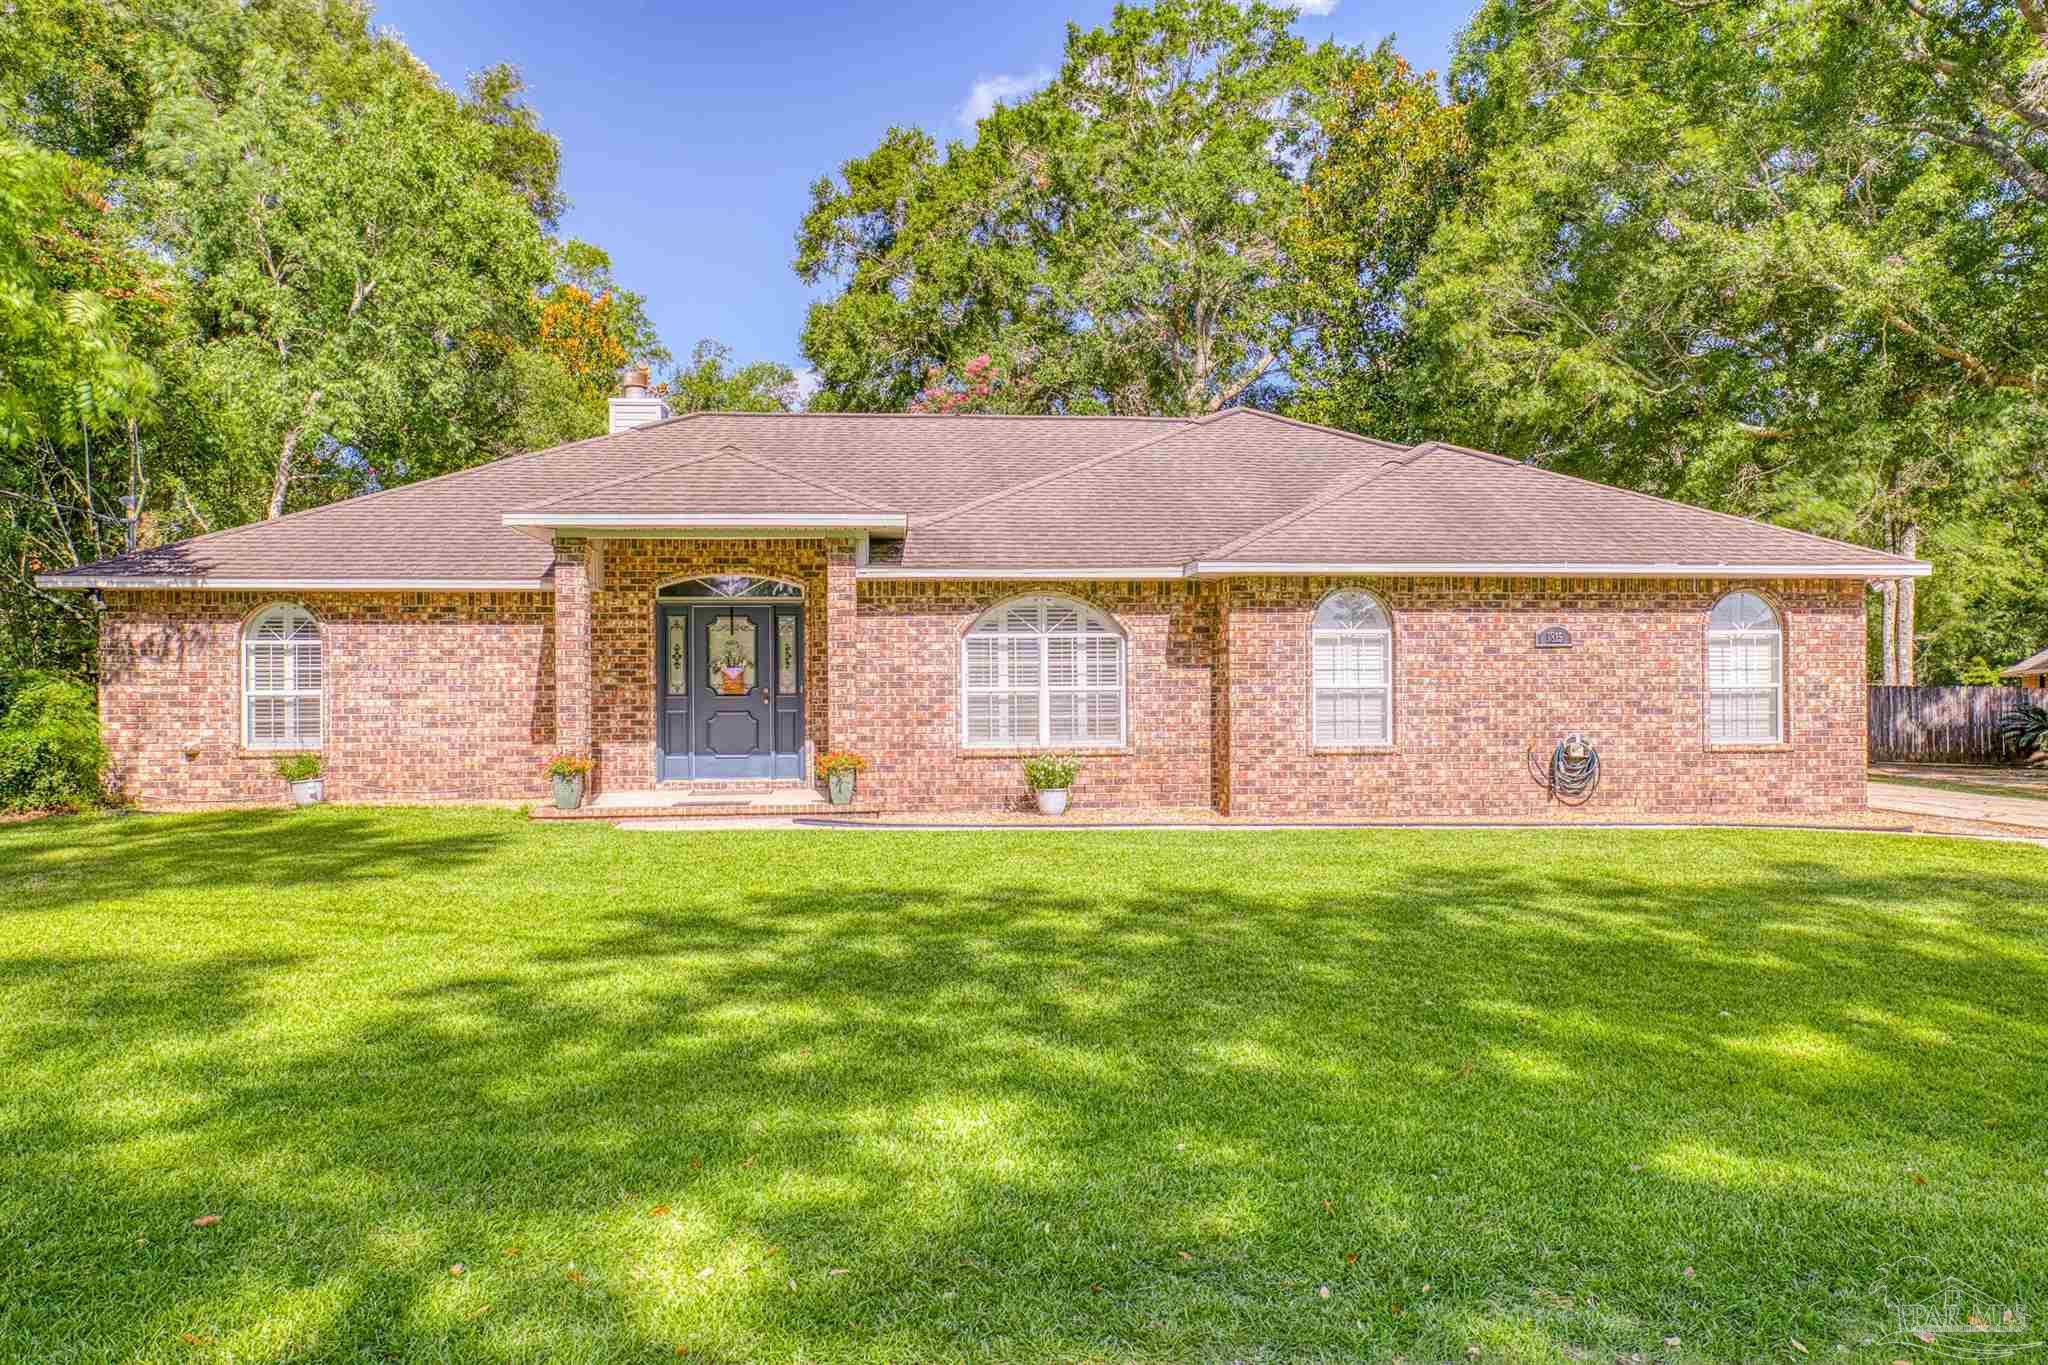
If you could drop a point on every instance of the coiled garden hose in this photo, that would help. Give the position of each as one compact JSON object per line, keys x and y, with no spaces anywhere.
{"x":1573,"y":773}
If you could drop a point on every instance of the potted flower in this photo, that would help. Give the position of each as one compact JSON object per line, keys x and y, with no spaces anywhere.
{"x":1050,"y":776}
{"x":568,"y":772}
{"x":302,"y":773}
{"x":838,"y":771}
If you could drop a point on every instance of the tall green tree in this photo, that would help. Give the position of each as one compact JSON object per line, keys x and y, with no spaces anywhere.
{"x":1111,"y":242}
{"x":1388,"y":159}
{"x":71,"y":381}
{"x":710,"y":382}
{"x":348,"y":276}
{"x":347,"y":261}
{"x":586,"y":329}
{"x":1752,"y":255}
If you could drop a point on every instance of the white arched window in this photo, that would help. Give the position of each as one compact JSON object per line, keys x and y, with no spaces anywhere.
{"x":1042,"y":671}
{"x":283,"y":669}
{"x":1352,"y":660}
{"x":1745,"y":672}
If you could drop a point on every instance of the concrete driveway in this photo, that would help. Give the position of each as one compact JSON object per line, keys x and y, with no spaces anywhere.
{"x":1931,"y":793}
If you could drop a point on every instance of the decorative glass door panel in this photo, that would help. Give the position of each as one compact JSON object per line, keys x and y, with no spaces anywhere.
{"x":785,"y":653}
{"x":732,"y":652}
{"x":789,"y":689}
{"x":733,"y":728}
{"x":672,"y":694}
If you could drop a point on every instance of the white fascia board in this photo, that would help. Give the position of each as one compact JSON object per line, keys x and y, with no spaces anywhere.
{"x":1017,"y":575}
{"x":62,"y":582}
{"x":718,"y":521}
{"x":1466,"y":569}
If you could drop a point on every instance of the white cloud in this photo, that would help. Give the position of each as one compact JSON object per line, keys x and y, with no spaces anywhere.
{"x":983,"y":96}
{"x":1305,"y":6}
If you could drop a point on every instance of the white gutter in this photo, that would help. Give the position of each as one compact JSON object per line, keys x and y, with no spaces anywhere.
{"x":781,"y":521}
{"x":979,"y":574}
{"x":65,"y":581}
{"x":1482,"y":569}
{"x":1201,"y":569}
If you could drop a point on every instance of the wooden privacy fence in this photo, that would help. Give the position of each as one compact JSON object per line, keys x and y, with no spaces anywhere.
{"x":1941,"y":724}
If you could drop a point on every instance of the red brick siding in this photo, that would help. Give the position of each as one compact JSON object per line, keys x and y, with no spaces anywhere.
{"x":1473,"y":697}
{"x":441,"y":696}
{"x":454,"y":696}
{"x":575,"y":563}
{"x":906,"y":715}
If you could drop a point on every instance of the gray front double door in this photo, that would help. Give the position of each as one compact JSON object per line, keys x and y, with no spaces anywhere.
{"x":731,"y":691}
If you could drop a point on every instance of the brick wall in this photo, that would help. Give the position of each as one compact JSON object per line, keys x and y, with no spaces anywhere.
{"x":430,"y":696}
{"x":1473,"y":697}
{"x":905,"y":714}
{"x":453,"y":696}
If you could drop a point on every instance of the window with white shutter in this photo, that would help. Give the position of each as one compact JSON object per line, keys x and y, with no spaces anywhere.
{"x":1745,"y":672}
{"x":1042,"y":672}
{"x":1351,"y":659}
{"x":283,"y":672}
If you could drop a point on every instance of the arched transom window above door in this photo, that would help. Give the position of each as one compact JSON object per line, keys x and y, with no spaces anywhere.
{"x":730,"y":585}
{"x":1042,"y":672}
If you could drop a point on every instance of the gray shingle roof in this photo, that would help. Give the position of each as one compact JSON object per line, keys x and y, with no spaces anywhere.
{"x":1236,"y":491}
{"x":1443,"y":504}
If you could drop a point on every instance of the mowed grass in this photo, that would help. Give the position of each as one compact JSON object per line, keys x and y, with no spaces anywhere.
{"x":1011,"y":1096}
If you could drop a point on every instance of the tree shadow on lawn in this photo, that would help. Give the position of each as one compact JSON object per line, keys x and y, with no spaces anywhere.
{"x":1153,"y":1119}
{"x":94,"y":859}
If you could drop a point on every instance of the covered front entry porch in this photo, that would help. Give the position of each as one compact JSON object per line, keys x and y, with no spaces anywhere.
{"x":698,"y":665}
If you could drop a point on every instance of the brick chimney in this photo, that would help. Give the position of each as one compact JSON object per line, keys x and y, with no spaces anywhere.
{"x":637,"y":403}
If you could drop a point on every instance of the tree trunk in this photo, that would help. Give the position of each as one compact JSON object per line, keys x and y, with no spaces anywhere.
{"x":1888,"y":632}
{"x":282,"y":482}
{"x":1909,"y":546}
{"x":283,"y":478}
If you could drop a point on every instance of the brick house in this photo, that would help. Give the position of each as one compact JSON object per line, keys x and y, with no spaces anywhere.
{"x":1236,"y":611}
{"x":2031,"y":671}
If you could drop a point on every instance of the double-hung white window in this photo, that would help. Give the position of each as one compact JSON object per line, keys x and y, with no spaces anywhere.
{"x":1352,"y":659}
{"x":1041,"y":672}
{"x":283,"y":671}
{"x":1745,"y":672}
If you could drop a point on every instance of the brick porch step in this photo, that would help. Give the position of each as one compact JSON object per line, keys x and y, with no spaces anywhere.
{"x":728,"y":786}
{"x":681,"y":802}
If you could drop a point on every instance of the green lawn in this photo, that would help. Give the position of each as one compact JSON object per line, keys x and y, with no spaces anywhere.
{"x":862,"y":1096}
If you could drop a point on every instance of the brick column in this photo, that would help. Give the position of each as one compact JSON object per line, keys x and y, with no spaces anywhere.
{"x":572,"y":649}
{"x":1220,"y":775}
{"x":842,"y":666}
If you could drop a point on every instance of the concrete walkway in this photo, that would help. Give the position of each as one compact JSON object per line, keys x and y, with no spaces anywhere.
{"x":2023,"y":811}
{"x":2029,"y":779}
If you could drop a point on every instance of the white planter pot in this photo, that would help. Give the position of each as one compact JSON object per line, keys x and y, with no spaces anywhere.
{"x":306,"y":793}
{"x":1053,"y":802}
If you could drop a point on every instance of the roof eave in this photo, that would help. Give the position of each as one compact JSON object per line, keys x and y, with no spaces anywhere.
{"x":1552,"y":569}
{"x":58,"y":582}
{"x":982,"y":572}
{"x":1413,"y":569}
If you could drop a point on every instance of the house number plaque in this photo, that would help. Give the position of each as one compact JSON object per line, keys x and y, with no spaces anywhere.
{"x":1553,"y":637}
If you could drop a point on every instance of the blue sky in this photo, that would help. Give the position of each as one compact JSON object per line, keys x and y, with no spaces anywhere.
{"x":692,"y":132}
